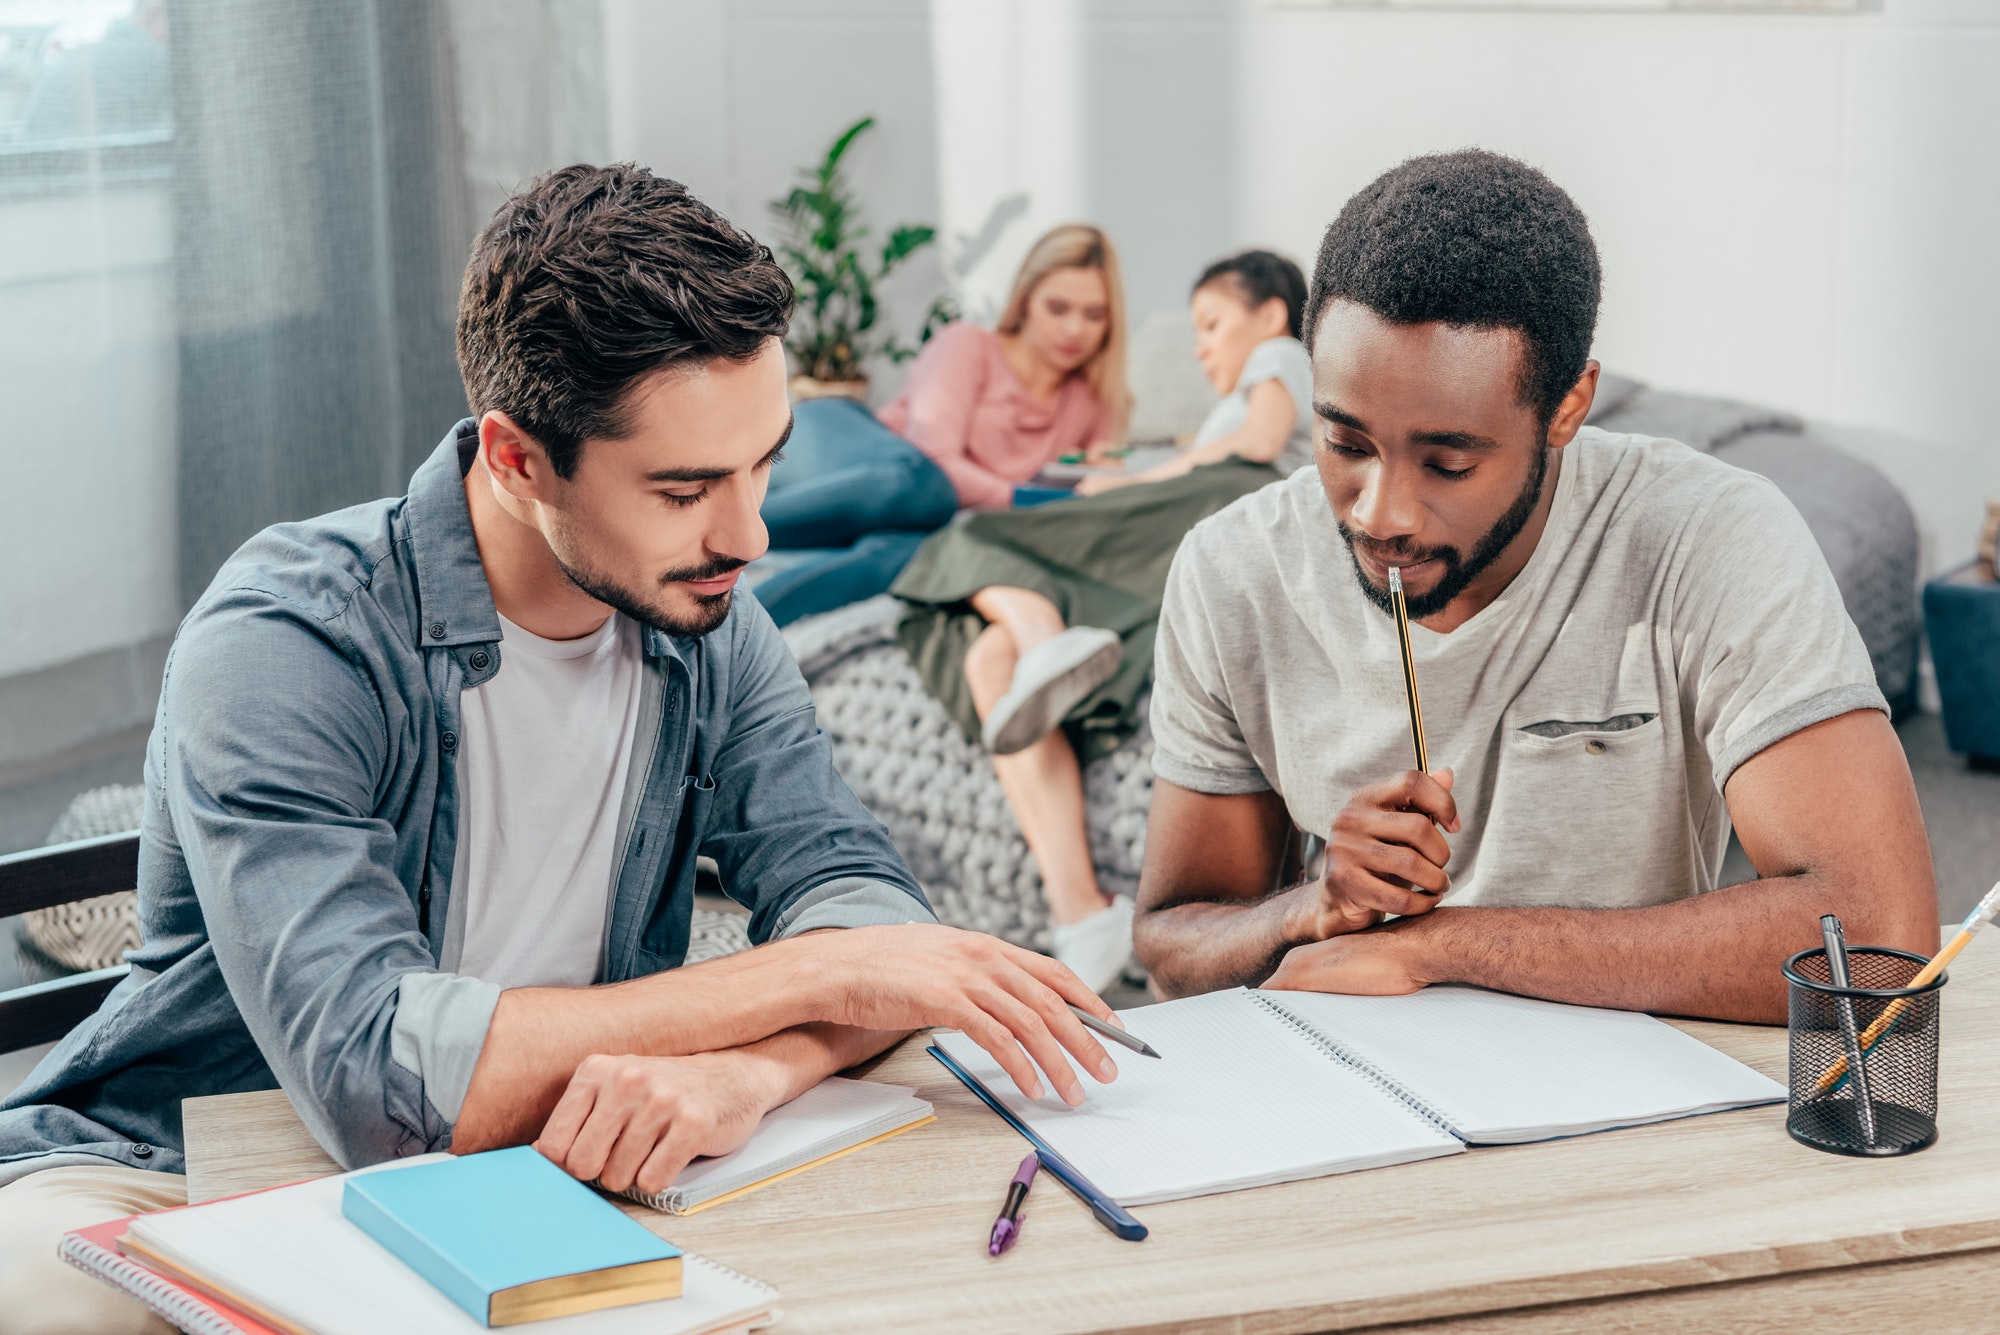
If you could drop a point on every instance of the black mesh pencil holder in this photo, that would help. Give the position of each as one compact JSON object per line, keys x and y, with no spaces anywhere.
{"x":1896,"y":1028}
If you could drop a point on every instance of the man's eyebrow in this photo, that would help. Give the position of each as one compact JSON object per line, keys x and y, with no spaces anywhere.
{"x":1340,"y":417}
{"x":1455,"y":440}
{"x":783,"y":436}
{"x":716,"y":474}
{"x":1446,"y":440}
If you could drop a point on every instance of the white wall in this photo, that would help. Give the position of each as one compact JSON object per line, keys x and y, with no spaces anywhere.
{"x":87,"y":429}
{"x":1800,"y":210}
{"x":1793,"y":209}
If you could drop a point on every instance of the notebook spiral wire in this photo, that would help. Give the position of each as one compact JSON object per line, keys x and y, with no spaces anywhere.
{"x":1334,"y":1049}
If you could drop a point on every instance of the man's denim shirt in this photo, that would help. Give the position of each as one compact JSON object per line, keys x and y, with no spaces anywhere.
{"x":296,"y":853}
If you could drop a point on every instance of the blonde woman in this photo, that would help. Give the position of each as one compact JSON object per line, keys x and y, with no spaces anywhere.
{"x":981,"y":412}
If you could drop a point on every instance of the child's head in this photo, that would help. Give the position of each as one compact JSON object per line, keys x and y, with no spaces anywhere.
{"x":1240,"y":302}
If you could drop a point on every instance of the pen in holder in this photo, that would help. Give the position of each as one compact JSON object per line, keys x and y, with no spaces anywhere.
{"x":1897,"y":1032}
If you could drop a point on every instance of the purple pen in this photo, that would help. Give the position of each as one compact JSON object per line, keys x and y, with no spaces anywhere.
{"x":1008,"y":1226}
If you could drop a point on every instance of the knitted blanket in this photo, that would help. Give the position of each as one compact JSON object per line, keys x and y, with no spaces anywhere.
{"x":936,"y":791}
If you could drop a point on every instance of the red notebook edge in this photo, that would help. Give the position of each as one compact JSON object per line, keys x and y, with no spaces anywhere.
{"x":94,"y":1250}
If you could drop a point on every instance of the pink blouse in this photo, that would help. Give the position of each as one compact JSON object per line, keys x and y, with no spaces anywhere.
{"x":964,"y":407}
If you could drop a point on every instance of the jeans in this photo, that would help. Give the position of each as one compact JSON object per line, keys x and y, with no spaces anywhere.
{"x":851,"y":501}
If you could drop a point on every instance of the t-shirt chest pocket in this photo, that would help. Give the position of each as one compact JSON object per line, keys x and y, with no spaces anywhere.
{"x":1583,"y":801}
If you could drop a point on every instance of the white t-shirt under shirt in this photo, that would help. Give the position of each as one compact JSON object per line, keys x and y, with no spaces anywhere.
{"x":544,"y":746}
{"x":1284,"y":360}
{"x":1675,"y":619}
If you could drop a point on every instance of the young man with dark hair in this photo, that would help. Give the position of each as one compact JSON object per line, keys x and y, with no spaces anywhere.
{"x":430,"y":776}
{"x":1624,"y":647}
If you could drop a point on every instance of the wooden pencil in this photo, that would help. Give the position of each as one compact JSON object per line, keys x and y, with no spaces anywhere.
{"x":1402,"y":608}
{"x":1982,"y":913}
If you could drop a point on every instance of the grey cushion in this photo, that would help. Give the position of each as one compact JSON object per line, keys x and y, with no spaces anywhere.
{"x":1694,"y":420}
{"x":1170,"y":394}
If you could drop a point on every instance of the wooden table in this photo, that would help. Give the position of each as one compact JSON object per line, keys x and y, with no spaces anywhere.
{"x":1711,"y":1223}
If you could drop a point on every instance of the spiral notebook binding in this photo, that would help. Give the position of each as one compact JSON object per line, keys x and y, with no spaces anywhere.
{"x":763,"y":1290}
{"x":164,"y":1298}
{"x":1335,"y":1049}
{"x":667,"y":1202}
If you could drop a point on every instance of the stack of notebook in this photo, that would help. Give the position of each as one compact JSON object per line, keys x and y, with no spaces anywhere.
{"x":1254,"y":1088}
{"x":437,"y":1243}
{"x":287,"y":1260}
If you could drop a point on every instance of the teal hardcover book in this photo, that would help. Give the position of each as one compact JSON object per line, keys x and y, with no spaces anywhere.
{"x":510,"y":1237}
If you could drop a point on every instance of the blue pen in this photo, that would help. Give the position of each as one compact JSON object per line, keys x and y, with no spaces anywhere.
{"x":1105,"y":1210}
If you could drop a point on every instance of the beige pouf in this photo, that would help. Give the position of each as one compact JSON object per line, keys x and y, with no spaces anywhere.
{"x":92,"y":933}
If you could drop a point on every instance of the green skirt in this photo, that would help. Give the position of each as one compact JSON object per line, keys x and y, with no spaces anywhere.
{"x":1102,"y":560}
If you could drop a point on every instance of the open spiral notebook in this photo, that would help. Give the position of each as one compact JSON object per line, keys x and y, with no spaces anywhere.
{"x":1254,"y":1087}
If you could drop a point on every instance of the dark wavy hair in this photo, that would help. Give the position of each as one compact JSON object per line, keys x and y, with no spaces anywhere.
{"x":594,"y":277}
{"x":1258,"y":276}
{"x":1474,"y":239}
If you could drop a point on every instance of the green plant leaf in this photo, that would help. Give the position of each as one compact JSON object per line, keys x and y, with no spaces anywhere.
{"x":822,"y":243}
{"x":903,"y":242}
{"x":847,"y":136}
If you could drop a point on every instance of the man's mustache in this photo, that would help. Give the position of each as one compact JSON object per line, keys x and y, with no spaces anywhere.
{"x":1397,"y":551}
{"x":715,"y":569}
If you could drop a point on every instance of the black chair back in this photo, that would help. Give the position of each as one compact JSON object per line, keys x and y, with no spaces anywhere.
{"x":42,"y":878}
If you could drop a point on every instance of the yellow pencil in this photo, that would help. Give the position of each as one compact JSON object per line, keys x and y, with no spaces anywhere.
{"x":1409,"y":668}
{"x":1982,"y":913}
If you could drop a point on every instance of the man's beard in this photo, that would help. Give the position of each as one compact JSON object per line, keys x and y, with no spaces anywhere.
{"x":710,"y":610}
{"x":1459,"y":571}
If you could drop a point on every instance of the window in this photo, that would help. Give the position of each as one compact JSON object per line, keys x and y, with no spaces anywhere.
{"x":84,"y":93}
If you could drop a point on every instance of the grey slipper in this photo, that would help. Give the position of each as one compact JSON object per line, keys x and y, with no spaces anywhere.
{"x":1050,"y":680}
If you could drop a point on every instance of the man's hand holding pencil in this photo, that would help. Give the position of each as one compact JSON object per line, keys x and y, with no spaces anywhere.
{"x":1385,"y":854}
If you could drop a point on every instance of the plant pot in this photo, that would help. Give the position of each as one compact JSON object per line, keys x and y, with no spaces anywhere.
{"x":804,"y":387}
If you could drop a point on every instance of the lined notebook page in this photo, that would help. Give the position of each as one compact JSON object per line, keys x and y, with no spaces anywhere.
{"x":1502,"y":1069}
{"x":290,"y":1252}
{"x":832,"y":1115}
{"x":1236,"y":1099}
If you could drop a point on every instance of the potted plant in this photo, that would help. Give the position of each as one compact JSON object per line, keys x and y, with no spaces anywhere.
{"x":822,"y":244}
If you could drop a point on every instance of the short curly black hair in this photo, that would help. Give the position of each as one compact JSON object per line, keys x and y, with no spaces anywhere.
{"x":1476,"y":239}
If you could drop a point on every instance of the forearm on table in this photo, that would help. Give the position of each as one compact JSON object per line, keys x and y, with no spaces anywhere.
{"x":1198,"y":945}
{"x":538,"y":1034}
{"x":800,"y":1058}
{"x":1715,"y":955}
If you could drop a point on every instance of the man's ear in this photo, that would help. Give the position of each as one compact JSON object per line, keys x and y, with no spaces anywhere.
{"x":1574,"y":408}
{"x":518,"y":463}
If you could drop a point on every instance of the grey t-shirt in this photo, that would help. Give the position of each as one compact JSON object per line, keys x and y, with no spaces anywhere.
{"x":1675,"y":619}
{"x":1284,"y":360}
